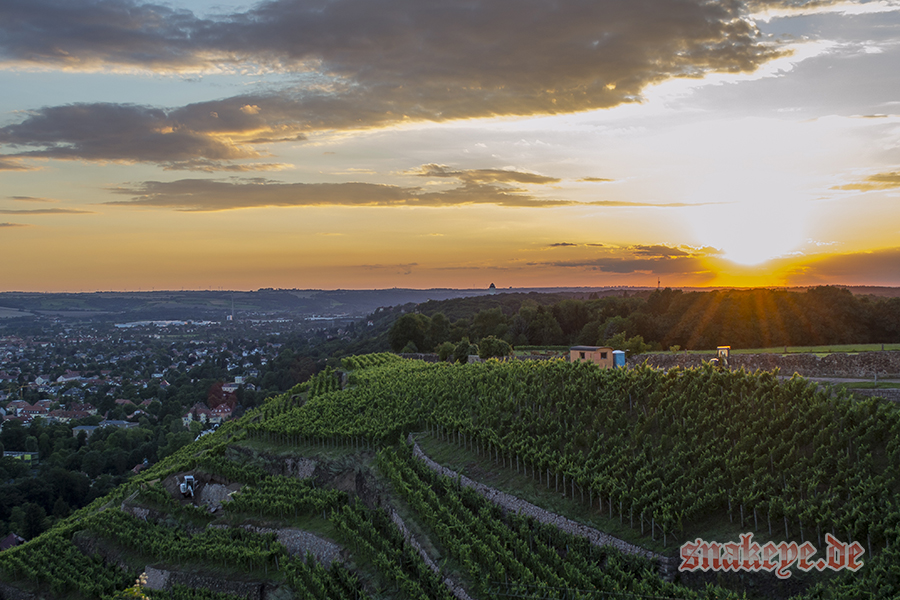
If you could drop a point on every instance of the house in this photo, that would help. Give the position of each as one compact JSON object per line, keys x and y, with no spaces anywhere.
{"x":11,"y":541}
{"x":34,"y":410}
{"x":220,"y":413}
{"x":198,"y":412}
{"x":69,"y":376}
{"x":16,"y":406}
{"x":29,"y":457}
{"x":64,"y":416}
{"x":601,"y":355}
{"x":87,"y":429}
{"x":118,"y":423}
{"x":23,"y":419}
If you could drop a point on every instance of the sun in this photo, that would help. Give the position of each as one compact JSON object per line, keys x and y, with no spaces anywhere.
{"x":752,"y":233}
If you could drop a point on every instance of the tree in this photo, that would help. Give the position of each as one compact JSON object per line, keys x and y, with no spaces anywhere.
{"x":35,"y":521}
{"x":61,"y":508}
{"x":490,"y":322}
{"x":410,"y":327}
{"x":445,"y":351}
{"x":634,"y":345}
{"x":92,"y":464}
{"x":13,"y":435}
{"x":491,"y":347}
{"x":463,"y":349}
{"x":572,"y":316}
{"x":543,"y":330}
{"x":44,"y":445}
{"x":438,"y":330}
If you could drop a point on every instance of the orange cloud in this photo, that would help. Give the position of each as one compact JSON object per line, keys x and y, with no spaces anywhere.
{"x":879,"y":181}
{"x":13,"y":164}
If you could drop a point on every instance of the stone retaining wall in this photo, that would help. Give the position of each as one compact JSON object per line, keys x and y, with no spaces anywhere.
{"x":458,"y":592}
{"x":888,"y":394}
{"x":299,"y":542}
{"x":863,"y":365}
{"x":162,"y":579}
{"x":9,"y":592}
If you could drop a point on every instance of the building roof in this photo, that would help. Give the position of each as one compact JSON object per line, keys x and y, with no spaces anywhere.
{"x":10,"y":541}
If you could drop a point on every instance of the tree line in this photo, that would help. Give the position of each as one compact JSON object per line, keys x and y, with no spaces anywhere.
{"x":661,"y":320}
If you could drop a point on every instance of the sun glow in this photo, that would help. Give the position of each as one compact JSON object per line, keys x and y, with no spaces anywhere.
{"x":752,"y":233}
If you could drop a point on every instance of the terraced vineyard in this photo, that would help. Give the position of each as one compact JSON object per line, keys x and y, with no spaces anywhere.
{"x":668,"y":456}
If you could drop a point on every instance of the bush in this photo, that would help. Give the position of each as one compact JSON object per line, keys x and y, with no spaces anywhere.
{"x":491,"y":347}
{"x":445,"y":351}
{"x":463,"y":349}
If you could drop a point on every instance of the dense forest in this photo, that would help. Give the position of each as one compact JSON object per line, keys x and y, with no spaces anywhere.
{"x":659,"y":320}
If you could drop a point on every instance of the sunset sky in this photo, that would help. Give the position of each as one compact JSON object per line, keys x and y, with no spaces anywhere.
{"x":426,"y":143}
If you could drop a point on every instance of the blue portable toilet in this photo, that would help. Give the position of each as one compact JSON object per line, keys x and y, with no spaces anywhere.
{"x":618,"y":358}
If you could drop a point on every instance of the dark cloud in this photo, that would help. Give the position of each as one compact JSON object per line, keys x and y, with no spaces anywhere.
{"x":476,"y":186}
{"x":210,"y":195}
{"x":658,"y":259}
{"x":659,"y":251}
{"x":131,"y":133}
{"x":796,"y":4}
{"x":92,"y":33}
{"x":880,"y":267}
{"x":361,"y":64}
{"x":596,"y":179}
{"x":210,"y":166}
{"x":30,"y":199}
{"x":474,"y":176}
{"x":879,"y":181}
{"x":631,"y":264}
{"x":4,"y":225}
{"x":572,"y":245}
{"x":45,"y":211}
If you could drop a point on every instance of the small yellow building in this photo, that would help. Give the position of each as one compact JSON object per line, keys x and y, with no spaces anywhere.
{"x":601,"y":355}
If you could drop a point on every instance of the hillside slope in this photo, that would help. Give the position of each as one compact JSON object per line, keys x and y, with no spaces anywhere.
{"x":324,"y":473}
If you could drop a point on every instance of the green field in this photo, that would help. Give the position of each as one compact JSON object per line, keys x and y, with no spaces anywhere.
{"x":821,"y":350}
